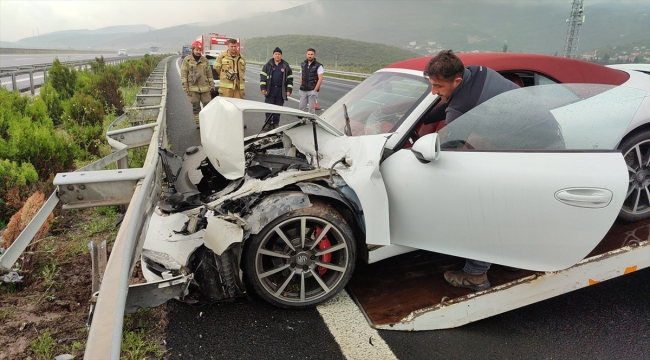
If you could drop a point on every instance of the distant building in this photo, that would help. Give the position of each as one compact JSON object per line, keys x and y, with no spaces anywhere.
{"x":412,"y":43}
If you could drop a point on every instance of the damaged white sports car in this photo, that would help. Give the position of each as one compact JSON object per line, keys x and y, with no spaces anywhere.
{"x":530,"y":179}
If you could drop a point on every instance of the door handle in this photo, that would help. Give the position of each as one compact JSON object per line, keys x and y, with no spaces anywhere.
{"x":585,"y":197}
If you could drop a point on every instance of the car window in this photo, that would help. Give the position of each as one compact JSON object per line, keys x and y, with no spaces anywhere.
{"x":378,"y":103}
{"x":547,"y":117}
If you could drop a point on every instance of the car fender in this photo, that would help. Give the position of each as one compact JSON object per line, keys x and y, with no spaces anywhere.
{"x":273,"y":206}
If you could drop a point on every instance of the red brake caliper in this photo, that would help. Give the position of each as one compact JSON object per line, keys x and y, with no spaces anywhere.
{"x":324,"y":243}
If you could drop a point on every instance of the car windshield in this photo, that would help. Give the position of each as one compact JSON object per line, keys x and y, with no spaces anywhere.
{"x":548,"y":117}
{"x":378,"y":103}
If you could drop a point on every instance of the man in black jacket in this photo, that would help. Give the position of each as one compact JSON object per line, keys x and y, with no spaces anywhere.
{"x":461,"y":89}
{"x":311,"y":77}
{"x":276,"y":83}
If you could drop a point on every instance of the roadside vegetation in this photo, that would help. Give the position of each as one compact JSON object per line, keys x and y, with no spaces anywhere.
{"x":59,"y":130}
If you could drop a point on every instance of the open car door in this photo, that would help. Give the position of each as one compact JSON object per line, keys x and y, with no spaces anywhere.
{"x":530,"y":178}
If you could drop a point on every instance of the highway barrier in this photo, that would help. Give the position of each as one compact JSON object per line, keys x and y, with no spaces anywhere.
{"x":50,"y":51}
{"x":15,"y":71}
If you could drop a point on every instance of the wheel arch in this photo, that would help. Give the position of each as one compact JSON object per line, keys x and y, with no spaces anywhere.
{"x":289,"y":199}
{"x":643,"y":128}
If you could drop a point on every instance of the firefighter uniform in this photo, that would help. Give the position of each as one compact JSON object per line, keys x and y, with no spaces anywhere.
{"x":196,"y":77}
{"x":231,"y":74}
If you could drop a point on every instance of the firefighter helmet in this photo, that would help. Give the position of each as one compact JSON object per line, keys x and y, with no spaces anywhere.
{"x":197,"y":44}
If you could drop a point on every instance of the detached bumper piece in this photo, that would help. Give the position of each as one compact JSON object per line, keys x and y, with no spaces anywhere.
{"x":217,"y":276}
{"x":156,"y":293}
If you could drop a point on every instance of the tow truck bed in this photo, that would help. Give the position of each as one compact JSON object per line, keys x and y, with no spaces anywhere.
{"x":408,"y":292}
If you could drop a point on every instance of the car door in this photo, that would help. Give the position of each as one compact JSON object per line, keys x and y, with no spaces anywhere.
{"x":529,"y":179}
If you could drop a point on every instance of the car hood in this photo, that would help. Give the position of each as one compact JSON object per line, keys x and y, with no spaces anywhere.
{"x":355,"y":158}
{"x":222,"y":131}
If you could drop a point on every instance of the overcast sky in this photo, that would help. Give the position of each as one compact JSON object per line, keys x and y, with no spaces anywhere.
{"x":20,"y":18}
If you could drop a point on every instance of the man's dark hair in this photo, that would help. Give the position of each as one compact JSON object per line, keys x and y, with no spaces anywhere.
{"x":232,"y":41}
{"x":445,"y":65}
{"x":312,"y":49}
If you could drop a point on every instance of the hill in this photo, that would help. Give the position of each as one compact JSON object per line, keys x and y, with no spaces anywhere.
{"x":330,"y":51}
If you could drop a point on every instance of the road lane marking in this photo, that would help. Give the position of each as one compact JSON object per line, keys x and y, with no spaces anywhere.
{"x":351,"y":330}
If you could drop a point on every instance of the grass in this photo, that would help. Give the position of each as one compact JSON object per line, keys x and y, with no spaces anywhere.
{"x":136,"y":343}
{"x":44,"y":346}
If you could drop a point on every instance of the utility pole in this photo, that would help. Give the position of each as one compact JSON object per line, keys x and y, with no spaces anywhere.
{"x":575,"y":20}
{"x":336,"y":60}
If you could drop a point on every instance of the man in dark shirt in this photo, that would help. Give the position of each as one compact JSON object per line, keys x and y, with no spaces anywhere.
{"x":461,"y":89}
{"x":276,"y":84}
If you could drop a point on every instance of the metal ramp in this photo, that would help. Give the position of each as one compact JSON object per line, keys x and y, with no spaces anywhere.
{"x":408,"y":292}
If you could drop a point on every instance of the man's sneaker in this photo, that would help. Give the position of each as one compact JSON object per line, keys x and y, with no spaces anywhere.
{"x":267,"y":127}
{"x":459,"y":278}
{"x":275,"y":126}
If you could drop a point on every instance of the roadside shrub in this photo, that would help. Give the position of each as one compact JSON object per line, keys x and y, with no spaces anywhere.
{"x":53,"y":103}
{"x":63,"y":79}
{"x":83,"y":110}
{"x":129,"y":74}
{"x":16,"y":181}
{"x":105,"y":88}
{"x":28,"y":135}
{"x":88,"y":137}
{"x":98,"y":65}
{"x":48,"y":151}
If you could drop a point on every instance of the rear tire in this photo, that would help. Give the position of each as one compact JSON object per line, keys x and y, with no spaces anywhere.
{"x":636,"y":152}
{"x":290,"y":272}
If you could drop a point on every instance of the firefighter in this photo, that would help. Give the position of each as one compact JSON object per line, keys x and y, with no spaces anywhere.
{"x":231,"y":66}
{"x":197,"y":80}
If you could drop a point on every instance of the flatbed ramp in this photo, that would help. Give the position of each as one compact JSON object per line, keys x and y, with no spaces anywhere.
{"x":408,"y":292}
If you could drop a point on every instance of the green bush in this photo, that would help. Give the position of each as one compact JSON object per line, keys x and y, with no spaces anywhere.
{"x":54,"y":107}
{"x":28,"y":135}
{"x":62,"y":79}
{"x":88,"y":137}
{"x":84,"y":110}
{"x":98,"y":65}
{"x":105,"y":88}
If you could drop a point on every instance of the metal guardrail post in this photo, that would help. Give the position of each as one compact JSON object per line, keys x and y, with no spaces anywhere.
{"x":14,"y":83}
{"x":31,"y":82}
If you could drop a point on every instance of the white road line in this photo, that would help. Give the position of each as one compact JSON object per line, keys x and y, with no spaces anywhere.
{"x":177,"y":67}
{"x":351,"y":330}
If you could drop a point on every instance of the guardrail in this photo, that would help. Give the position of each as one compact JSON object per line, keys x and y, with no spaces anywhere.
{"x":327,"y":71}
{"x":91,"y":186}
{"x":14,"y":71}
{"x":5,"y":50}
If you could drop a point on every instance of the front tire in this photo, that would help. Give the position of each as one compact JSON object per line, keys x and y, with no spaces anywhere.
{"x":636,"y":152}
{"x":302,"y":258}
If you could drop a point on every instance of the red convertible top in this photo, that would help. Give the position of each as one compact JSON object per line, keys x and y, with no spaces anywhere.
{"x":561,"y":69}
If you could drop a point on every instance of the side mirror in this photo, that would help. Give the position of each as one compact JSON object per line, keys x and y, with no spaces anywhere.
{"x":427,"y":148}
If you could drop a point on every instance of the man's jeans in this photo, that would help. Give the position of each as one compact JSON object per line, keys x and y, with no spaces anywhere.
{"x":307,"y":101}
{"x":475,"y":267}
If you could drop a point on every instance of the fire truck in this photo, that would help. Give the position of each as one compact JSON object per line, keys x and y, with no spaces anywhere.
{"x":213,"y":44}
